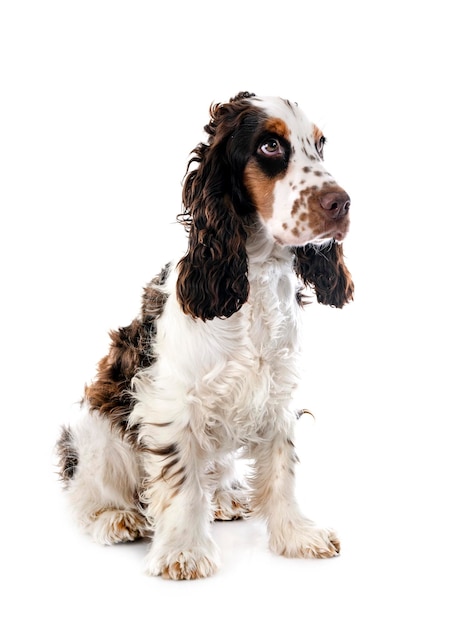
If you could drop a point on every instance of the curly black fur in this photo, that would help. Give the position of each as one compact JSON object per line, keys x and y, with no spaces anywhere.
{"x":212,"y":280}
{"x":324,"y":269}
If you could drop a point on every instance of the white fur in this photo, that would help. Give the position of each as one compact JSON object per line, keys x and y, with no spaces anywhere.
{"x":281,"y":225}
{"x":223,"y":385}
{"x":220,"y":386}
{"x":216,"y":388}
{"x":109,"y":473}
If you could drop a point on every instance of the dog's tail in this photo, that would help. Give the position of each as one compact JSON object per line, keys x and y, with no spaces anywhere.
{"x":67,"y":455}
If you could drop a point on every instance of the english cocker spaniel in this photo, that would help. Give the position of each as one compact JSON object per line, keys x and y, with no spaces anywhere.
{"x":208,"y":368}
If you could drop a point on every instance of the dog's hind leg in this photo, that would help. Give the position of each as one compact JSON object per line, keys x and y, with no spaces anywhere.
{"x":101,"y":475}
{"x":231,"y":494}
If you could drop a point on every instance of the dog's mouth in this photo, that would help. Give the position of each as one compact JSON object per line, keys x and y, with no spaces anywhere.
{"x":316,"y":241}
{"x":329,"y":236}
{"x":337,"y":232}
{"x":338,"y":236}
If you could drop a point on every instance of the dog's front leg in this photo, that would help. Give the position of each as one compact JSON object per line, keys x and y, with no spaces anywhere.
{"x":290,"y":533}
{"x":179,"y":503}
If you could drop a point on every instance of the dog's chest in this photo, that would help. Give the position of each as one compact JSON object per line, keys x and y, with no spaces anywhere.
{"x":272,"y":313}
{"x":254,"y":372}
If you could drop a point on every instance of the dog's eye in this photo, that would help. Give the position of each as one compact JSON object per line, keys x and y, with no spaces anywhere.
{"x":320,"y":145}
{"x":271,"y":148}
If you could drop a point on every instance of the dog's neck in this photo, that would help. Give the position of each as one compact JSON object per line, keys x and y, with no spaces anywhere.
{"x":262,"y":248}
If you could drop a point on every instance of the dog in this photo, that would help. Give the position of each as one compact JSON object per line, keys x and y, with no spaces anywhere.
{"x":205,"y":374}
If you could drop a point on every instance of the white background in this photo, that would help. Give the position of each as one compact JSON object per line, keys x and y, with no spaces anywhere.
{"x":101,"y":103}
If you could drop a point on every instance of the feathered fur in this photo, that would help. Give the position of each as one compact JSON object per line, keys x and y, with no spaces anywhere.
{"x":209,"y":367}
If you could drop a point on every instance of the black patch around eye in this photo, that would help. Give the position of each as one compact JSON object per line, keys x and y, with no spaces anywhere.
{"x":273,"y":165}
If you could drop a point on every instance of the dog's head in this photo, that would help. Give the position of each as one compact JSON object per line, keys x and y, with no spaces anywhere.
{"x":263,"y":162}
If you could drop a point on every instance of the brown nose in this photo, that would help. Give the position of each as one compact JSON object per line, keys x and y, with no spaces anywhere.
{"x":336,"y":203}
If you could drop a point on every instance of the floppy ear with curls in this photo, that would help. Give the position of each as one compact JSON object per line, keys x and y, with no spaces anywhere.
{"x":212,"y":276}
{"x":323,"y":268}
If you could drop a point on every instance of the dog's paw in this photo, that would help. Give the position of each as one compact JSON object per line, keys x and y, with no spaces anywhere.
{"x":305,"y":541}
{"x":109,"y":526}
{"x":183,"y":564}
{"x":230,"y":504}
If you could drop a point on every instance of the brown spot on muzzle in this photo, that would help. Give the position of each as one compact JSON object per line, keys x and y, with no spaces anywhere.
{"x":322,"y":221}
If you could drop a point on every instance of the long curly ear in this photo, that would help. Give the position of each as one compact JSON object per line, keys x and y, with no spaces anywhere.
{"x":212,"y":276}
{"x":324,"y":269}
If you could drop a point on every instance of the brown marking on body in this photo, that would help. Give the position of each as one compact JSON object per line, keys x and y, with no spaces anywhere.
{"x":130,"y":351}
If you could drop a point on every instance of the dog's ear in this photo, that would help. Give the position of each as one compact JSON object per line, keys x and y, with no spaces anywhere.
{"x":212,"y":276}
{"x":323,"y":268}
